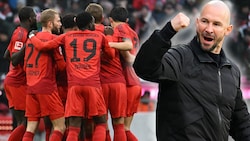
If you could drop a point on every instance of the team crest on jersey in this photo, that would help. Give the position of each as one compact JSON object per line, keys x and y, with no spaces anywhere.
{"x":18,"y":45}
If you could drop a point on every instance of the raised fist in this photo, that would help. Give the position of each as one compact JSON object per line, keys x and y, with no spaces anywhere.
{"x":180,"y":21}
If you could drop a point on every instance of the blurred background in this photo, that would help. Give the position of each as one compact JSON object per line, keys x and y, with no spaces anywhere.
{"x":144,"y":17}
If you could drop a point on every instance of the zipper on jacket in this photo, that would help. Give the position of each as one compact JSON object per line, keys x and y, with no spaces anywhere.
{"x":220,"y":94}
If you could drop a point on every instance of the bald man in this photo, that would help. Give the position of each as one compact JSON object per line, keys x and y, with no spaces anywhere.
{"x":199,"y":87}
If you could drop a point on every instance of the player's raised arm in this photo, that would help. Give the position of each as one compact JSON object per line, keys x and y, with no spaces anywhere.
{"x":126,"y":44}
{"x":44,"y":46}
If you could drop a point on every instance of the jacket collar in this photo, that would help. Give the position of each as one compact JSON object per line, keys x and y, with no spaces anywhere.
{"x":203,"y":56}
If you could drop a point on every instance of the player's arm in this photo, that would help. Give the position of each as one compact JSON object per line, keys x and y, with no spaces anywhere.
{"x":7,"y":54}
{"x":17,"y":57}
{"x":59,"y":59}
{"x":45,"y":46}
{"x":126,"y":44}
{"x":17,"y":50}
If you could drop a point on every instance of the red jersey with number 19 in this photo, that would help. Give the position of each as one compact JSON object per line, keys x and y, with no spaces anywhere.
{"x":16,"y":75}
{"x":83,"y":51}
{"x":40,"y":66}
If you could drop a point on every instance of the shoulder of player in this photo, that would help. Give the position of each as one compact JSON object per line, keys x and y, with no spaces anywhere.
{"x":45,"y":36}
{"x":84,"y":33}
{"x":95,"y":33}
{"x":20,"y":34}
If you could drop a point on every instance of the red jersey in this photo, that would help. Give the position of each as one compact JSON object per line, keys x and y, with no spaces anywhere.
{"x":83,"y":51}
{"x":16,"y":74}
{"x":128,"y":70}
{"x":40,"y":66}
{"x":112,"y":70}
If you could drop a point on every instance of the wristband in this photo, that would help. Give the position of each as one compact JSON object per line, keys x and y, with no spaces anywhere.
{"x":31,"y":35}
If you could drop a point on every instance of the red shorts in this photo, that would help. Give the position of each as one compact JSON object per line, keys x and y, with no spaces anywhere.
{"x":63,"y":91}
{"x":40,"y":105}
{"x":115,"y":95}
{"x":85,"y":101}
{"x":133,"y":99}
{"x":16,"y":96}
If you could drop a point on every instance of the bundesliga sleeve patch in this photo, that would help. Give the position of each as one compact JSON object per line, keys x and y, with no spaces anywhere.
{"x":18,"y":45}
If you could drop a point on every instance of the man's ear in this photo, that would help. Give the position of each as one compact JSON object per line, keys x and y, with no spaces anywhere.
{"x":49,"y":24}
{"x":229,"y":29}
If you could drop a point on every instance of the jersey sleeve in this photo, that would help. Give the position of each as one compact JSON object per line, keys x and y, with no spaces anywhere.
{"x":122,"y":33}
{"x":45,"y":46}
{"x":58,"y":57}
{"x":18,"y":40}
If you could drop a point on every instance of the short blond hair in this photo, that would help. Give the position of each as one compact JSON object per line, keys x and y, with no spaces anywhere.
{"x":47,"y":15}
{"x":96,"y":11}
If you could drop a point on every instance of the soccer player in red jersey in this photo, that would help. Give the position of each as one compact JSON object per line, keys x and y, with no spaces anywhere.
{"x":15,"y":81}
{"x":96,"y":10}
{"x":123,"y":32}
{"x":68,"y":24}
{"x":83,"y":51}
{"x":40,"y":66}
{"x":114,"y":84}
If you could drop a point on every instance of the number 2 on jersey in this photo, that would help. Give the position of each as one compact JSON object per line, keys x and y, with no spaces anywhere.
{"x":29,"y":65}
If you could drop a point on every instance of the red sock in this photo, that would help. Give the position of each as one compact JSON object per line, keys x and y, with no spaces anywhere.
{"x":56,"y":136}
{"x":17,"y":133}
{"x":108,"y":138}
{"x":73,"y":133}
{"x":119,"y":132}
{"x":130,"y":136}
{"x":28,"y":136}
{"x":99,"y":132}
{"x":47,"y":132}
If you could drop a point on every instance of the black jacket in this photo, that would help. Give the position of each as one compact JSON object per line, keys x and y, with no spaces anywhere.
{"x":199,"y":99}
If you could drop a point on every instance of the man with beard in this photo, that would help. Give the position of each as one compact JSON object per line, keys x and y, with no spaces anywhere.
{"x":15,"y":82}
{"x":199,"y":87}
{"x":43,"y":99}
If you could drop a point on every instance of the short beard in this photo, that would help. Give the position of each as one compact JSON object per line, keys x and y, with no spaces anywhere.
{"x":55,"y":31}
{"x":206,"y":50}
{"x":212,"y":48}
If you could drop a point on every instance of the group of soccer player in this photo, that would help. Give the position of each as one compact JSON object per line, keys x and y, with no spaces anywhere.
{"x":73,"y":79}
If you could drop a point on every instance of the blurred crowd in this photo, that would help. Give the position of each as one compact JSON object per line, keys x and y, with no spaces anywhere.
{"x":145,"y":16}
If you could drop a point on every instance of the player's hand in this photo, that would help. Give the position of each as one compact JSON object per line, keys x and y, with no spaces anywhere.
{"x":108,"y":30}
{"x":32,"y":33}
{"x":180,"y":21}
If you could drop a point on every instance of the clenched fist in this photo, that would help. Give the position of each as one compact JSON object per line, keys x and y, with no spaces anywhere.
{"x":180,"y":21}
